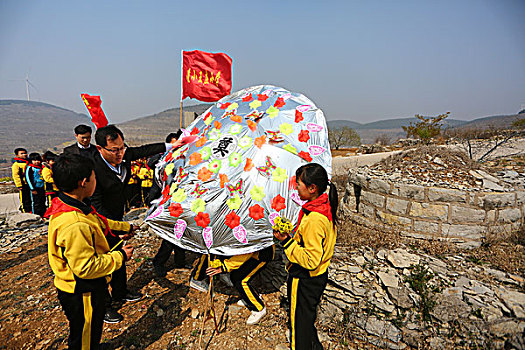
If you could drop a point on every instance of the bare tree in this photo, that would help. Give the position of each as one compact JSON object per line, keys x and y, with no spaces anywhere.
{"x":382,"y":139}
{"x":344,"y":136}
{"x":482,"y":143}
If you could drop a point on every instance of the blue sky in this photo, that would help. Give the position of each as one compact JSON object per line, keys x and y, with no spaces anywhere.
{"x":357,"y":60}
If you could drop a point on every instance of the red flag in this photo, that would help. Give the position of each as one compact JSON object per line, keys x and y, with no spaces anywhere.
{"x":206,"y":76}
{"x":93,"y":104}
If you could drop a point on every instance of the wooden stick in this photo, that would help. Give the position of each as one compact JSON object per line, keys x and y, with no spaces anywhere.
{"x":180,"y":114}
{"x":116,"y":245}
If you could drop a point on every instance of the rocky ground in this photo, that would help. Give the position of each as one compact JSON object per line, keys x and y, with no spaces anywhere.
{"x":384,"y":292}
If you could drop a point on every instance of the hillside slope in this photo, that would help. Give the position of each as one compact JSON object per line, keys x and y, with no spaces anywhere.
{"x":36,"y":126}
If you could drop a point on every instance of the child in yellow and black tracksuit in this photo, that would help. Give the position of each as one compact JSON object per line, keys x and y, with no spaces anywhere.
{"x":47,"y":175}
{"x":78,"y":251}
{"x":133,"y":188}
{"x":18,"y":170}
{"x":242,"y":269}
{"x":146,"y":176}
{"x":309,"y":252}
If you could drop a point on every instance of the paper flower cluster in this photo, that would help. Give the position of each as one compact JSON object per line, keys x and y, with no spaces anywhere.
{"x":222,"y":190}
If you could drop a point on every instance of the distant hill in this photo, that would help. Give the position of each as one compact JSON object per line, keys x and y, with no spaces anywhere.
{"x":36,"y":126}
{"x":155,"y":127}
{"x":498,"y":121}
{"x":40,"y":126}
{"x":392,"y":128}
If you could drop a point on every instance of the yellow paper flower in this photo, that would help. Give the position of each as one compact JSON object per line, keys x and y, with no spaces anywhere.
{"x":257,"y":193}
{"x":179,"y":196}
{"x":255,"y":104}
{"x":279,"y":175}
{"x":290,"y":148}
{"x":173,"y":187}
{"x":198,"y":206}
{"x":272,"y":112}
{"x":233,"y":106}
{"x":169,"y":168}
{"x":286,"y":128}
{"x":234,"y":203}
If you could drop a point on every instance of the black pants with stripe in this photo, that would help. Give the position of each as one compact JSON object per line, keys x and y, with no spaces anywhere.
{"x":241,"y":278}
{"x":38,"y":201}
{"x":25,"y":199}
{"x":85,"y":313}
{"x":304,"y":294}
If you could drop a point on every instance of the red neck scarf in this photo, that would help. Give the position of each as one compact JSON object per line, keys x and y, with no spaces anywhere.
{"x":35,"y":166}
{"x":319,"y":205}
{"x":21,"y":160}
{"x":58,"y":207}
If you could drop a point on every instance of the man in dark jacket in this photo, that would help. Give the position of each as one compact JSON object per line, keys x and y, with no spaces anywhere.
{"x":83,"y":145}
{"x":112,"y":171}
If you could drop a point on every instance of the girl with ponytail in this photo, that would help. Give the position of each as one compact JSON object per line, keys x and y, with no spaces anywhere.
{"x":309,"y":251}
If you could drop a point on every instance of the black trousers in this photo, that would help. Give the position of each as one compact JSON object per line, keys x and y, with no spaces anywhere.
{"x":146,"y":199}
{"x":25,"y":199}
{"x":85,"y":313}
{"x":38,"y":201}
{"x":241,"y":278}
{"x":164,"y":253}
{"x":118,"y":283}
{"x":304,"y":295}
{"x":133,"y":196}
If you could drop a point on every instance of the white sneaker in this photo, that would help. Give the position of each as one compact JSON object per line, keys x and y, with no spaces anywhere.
{"x":256,"y":316}
{"x":201,"y":286}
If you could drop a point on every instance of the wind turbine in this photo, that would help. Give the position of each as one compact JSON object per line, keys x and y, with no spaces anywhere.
{"x":28,"y":84}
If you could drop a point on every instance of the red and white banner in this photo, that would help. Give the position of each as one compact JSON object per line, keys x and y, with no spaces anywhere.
{"x":206,"y":76}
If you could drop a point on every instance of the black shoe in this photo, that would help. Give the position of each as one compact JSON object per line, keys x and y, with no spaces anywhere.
{"x":112,"y":316}
{"x":160,"y":271}
{"x":130,"y":296}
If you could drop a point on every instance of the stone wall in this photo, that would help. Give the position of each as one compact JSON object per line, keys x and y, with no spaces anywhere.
{"x":461,"y":216}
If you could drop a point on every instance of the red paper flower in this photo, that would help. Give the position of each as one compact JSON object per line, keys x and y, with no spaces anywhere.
{"x":304,"y":135}
{"x":247,"y":98}
{"x":305,"y":155}
{"x":232,"y":220}
{"x":194,"y":131}
{"x":298,"y":116}
{"x":256,"y":212}
{"x":165,"y":195}
{"x":225,"y":105}
{"x":262,"y":97}
{"x":202,"y":219}
{"x":169,"y":157}
{"x":292,"y":184}
{"x":175,"y":209}
{"x":279,"y":103}
{"x":278,"y":203}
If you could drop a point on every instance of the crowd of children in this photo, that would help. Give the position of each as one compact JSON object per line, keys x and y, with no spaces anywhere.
{"x":83,"y":261}
{"x":33,"y":177}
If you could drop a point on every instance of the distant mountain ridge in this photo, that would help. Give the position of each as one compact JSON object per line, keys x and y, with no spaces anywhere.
{"x":37,"y":126}
{"x":40,"y":126}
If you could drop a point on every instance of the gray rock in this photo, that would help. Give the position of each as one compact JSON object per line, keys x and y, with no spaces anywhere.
{"x":514,"y":301}
{"x":21,"y":220}
{"x":504,"y":327}
{"x":400,"y":258}
{"x":449,"y":308}
{"x":400,"y":297}
{"x":389,"y":278}
{"x":380,"y":328}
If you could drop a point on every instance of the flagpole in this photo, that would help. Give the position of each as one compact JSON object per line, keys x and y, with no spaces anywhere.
{"x":181,"y":85}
